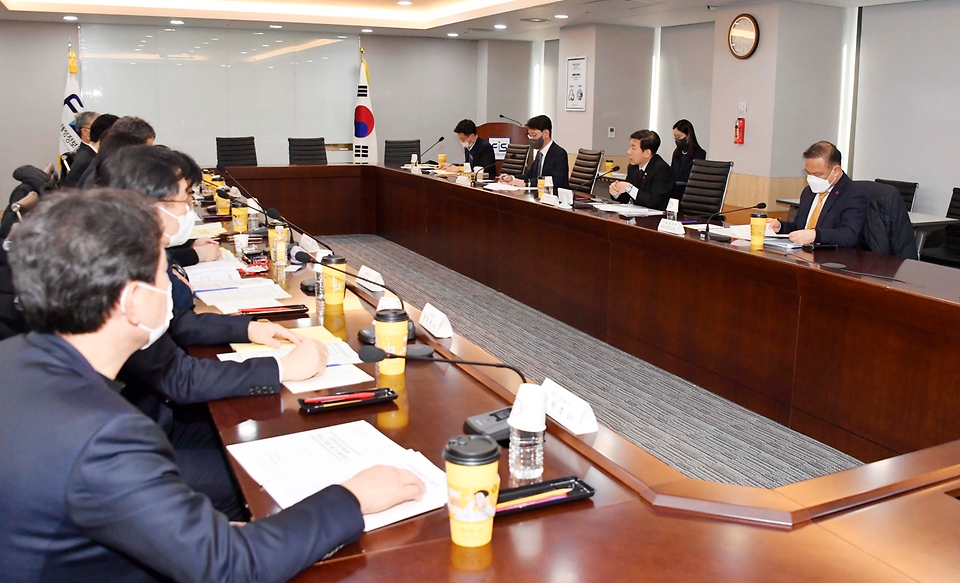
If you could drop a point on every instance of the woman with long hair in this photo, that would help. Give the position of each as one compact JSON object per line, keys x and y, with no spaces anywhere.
{"x":688,"y":149}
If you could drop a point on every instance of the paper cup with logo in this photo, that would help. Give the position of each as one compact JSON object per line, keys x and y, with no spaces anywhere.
{"x":608,"y":165}
{"x":441,"y":158}
{"x":222,"y":198}
{"x":758,"y":226}
{"x":240,"y":242}
{"x":473,"y":485}
{"x":240,"y":215}
{"x":541,"y":186}
{"x":334,"y":282}
{"x":390,"y":327}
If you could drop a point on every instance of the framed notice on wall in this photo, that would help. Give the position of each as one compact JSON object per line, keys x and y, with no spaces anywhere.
{"x":576,"y":84}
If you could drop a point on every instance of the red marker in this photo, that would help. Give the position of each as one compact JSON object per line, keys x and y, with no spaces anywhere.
{"x":343,"y":397}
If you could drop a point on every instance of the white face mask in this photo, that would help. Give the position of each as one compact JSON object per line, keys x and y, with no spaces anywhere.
{"x":185,"y":224}
{"x":154,"y":333}
{"x":466,"y":145}
{"x":817,"y":184}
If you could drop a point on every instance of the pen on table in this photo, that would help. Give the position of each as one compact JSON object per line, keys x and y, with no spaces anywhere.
{"x":346,"y":396}
{"x":542,"y":497}
{"x":213,"y":289}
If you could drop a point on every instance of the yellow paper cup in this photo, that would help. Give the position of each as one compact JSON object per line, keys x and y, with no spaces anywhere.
{"x":441,"y":158}
{"x":278,"y":245}
{"x":390,"y":327}
{"x":473,"y":485}
{"x":541,"y":186}
{"x":758,"y":226}
{"x":223,"y":204}
{"x":240,"y":215}
{"x":334,"y":282}
{"x":608,"y":165}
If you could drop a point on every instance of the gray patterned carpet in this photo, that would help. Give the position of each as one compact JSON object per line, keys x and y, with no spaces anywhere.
{"x":702,"y":435}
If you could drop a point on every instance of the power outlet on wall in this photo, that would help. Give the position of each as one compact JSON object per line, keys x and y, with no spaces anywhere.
{"x":611,"y":132}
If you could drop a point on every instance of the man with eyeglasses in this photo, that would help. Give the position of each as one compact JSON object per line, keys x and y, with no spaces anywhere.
{"x":549,"y":158}
{"x":85,"y":153}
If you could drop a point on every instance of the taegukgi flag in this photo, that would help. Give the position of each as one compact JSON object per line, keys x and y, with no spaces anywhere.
{"x":69,"y":133}
{"x":364,"y":133}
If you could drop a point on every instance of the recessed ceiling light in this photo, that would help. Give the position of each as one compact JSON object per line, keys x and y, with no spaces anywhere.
{"x":264,"y":45}
{"x":534,"y":20}
{"x":169,"y":30}
{"x":223,"y":65}
{"x":70,"y":18}
{"x":366,"y":30}
{"x":258,"y":33}
{"x":204,"y":43}
{"x":196,"y":47}
{"x":243,"y":52}
{"x":143,"y":41}
{"x":133,"y":63}
{"x":324,"y":58}
{"x":269,"y":67}
{"x":138,"y":50}
{"x":452,"y":34}
{"x":176,"y":22}
{"x":179,"y":64}
{"x":278,"y":41}
{"x":214,"y":39}
{"x":560,"y":16}
{"x":276,"y":26}
{"x":499,"y":26}
{"x":309,"y":61}
{"x":404,"y":2}
{"x":148,"y":35}
{"x":342,"y":36}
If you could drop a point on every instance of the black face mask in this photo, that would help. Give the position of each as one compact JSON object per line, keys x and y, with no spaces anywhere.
{"x":537,"y":143}
{"x":682,"y":143}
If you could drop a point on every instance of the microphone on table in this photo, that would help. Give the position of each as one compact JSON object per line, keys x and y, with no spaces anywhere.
{"x":705,"y":234}
{"x":511,"y":119}
{"x":275,"y":215}
{"x":420,"y":155}
{"x":373,"y":354}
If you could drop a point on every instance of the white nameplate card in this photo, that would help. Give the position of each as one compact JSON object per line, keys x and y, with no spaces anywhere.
{"x":550,"y":199}
{"x":672,"y":227}
{"x":389,"y":303}
{"x":416,"y":170}
{"x":311,"y":246}
{"x":463,"y":180}
{"x":566,"y":197}
{"x":368,"y":273}
{"x":569,"y":410}
{"x":435,"y":322}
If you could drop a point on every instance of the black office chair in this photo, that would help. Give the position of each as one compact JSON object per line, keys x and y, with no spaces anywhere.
{"x":908,"y":190}
{"x":706,"y":188}
{"x":307,"y":151}
{"x":236,"y":152}
{"x":583,"y":177}
{"x":515,"y":159}
{"x":887,"y":229}
{"x":946,"y":249}
{"x":399,"y":151}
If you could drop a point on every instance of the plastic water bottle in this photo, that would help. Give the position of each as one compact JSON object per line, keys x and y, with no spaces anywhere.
{"x":526,"y":454}
{"x":318,"y":290}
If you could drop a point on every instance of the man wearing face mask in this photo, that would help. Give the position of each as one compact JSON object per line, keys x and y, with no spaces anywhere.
{"x":549,"y":158}
{"x":172,"y":387}
{"x":476,"y":150}
{"x":832,"y":207}
{"x":90,"y":488}
{"x":183,"y":250}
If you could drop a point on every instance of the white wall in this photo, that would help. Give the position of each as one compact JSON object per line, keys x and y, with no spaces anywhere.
{"x":33,"y":65}
{"x":506,"y":71}
{"x":908,"y":119}
{"x":574,"y":129}
{"x":551,"y":68}
{"x":621,"y":91}
{"x":686,"y":81}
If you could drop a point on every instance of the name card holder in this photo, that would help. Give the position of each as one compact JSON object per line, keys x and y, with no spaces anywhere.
{"x":550,"y":199}
{"x":389,"y":303}
{"x":463,"y":180}
{"x":370,"y":274}
{"x":415,"y":170}
{"x":435,"y":322}
{"x":672,"y":227}
{"x":569,"y":410}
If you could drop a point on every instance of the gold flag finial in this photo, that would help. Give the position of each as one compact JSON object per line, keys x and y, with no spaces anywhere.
{"x":73,"y":61}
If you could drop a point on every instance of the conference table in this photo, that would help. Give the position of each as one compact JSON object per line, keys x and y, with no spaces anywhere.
{"x":733,"y":320}
{"x":923,"y":225}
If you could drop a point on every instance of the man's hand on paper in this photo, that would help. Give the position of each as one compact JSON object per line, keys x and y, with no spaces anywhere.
{"x":382,"y":487}
{"x":270,"y":334}
{"x":306,"y":360}
{"x":207,"y":249}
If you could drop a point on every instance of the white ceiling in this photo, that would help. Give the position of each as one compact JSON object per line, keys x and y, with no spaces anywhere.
{"x":475,"y":20}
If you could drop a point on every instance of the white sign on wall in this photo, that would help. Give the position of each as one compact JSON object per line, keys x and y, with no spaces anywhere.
{"x":499,"y":147}
{"x":576,"y":84}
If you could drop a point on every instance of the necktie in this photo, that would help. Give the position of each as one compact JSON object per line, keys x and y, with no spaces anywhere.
{"x":815,"y":215}
{"x":539,"y":164}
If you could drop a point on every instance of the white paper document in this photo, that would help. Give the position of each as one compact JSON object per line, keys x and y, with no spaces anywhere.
{"x":235,"y":307}
{"x":340,"y":353}
{"x":335,"y":376}
{"x":743,"y":231}
{"x":628,"y":210}
{"x":569,"y":410}
{"x":207,"y":230}
{"x":220,"y":284}
{"x":225,"y":268}
{"x":243,"y":293}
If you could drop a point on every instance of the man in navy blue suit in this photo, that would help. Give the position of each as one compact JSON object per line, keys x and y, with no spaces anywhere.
{"x":832,"y":207}
{"x":90,"y":488}
{"x":549,"y":158}
{"x":649,"y":180}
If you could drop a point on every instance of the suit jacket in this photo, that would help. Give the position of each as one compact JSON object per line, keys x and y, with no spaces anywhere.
{"x":81,"y":160}
{"x":91,"y":491}
{"x":682,"y":165}
{"x":841,"y":218}
{"x":481,"y":155}
{"x":555,"y":164}
{"x":656,"y":185}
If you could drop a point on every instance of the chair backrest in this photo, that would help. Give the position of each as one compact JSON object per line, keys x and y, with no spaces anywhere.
{"x":706,"y":188}
{"x":236,"y":152}
{"x":953,"y":231}
{"x":908,"y":190}
{"x":515,"y":159}
{"x":584,"y":173}
{"x":399,"y":151}
{"x":307,"y":151}
{"x":887,"y":229}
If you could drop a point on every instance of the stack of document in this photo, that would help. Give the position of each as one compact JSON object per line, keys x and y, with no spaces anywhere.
{"x":780,"y":243}
{"x":207,"y":230}
{"x":231,"y":295}
{"x":293,"y":467}
{"x":227,"y":267}
{"x":628,"y":210}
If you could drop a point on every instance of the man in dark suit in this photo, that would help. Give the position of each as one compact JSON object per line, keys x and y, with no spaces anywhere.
{"x":649,"y":178}
{"x":90,"y":488}
{"x":86,"y":152}
{"x":832,"y":207}
{"x":550,"y":159}
{"x":476,"y":150}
